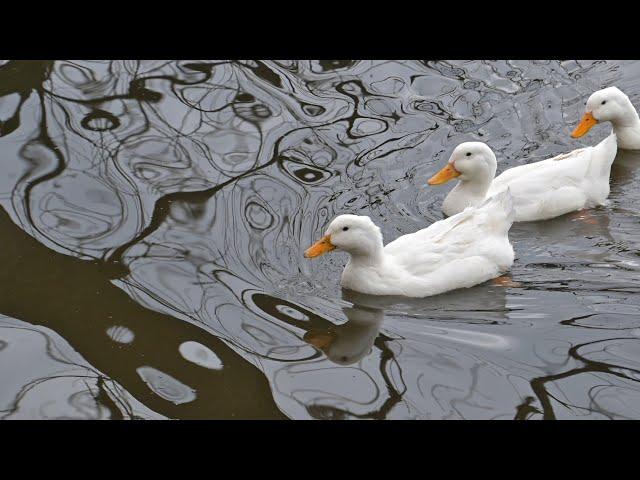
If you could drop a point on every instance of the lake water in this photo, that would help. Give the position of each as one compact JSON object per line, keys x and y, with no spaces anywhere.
{"x":154,"y":215}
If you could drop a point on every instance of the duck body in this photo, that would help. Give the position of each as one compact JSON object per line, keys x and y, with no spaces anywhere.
{"x":559,"y":185}
{"x":540,"y":190}
{"x":459,"y":252}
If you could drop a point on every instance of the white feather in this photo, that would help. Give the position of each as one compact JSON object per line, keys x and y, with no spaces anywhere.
{"x":458,"y":252}
{"x":549,"y":188}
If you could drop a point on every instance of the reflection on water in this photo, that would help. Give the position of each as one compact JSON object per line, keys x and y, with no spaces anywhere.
{"x":44,"y":377}
{"x":152,"y":216}
{"x":347,"y":343}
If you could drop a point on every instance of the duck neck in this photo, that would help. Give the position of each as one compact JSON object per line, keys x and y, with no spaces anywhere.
{"x":474,"y":188}
{"x":371,"y":257}
{"x":629,"y":119}
{"x":627,"y":129}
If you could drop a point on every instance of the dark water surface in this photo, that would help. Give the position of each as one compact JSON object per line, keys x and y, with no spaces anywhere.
{"x":154,"y":214}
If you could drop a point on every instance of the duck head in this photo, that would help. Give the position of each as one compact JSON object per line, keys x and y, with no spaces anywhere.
{"x":469,"y":162}
{"x":606,"y":105}
{"x":354,"y":234}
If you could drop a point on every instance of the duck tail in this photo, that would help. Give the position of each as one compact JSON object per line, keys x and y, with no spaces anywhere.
{"x":609,"y":144}
{"x":605,"y":152}
{"x":500,"y":210}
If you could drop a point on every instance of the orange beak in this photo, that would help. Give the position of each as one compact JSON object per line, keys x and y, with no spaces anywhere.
{"x":319,"y":339}
{"x":584,"y":126}
{"x":444,"y":175}
{"x":321,"y":247}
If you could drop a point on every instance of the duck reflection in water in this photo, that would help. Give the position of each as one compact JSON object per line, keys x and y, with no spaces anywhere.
{"x":347,"y":343}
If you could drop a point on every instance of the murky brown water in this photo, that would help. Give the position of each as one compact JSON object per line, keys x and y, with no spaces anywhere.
{"x":154,"y":216}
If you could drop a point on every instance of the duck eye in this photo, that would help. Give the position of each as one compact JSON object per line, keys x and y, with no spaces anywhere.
{"x":468,"y":154}
{"x":603,"y":102}
{"x":344,"y":229}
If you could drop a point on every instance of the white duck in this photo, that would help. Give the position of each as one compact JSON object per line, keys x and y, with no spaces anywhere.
{"x":611,"y":105}
{"x":540,"y":190}
{"x":458,"y":252}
